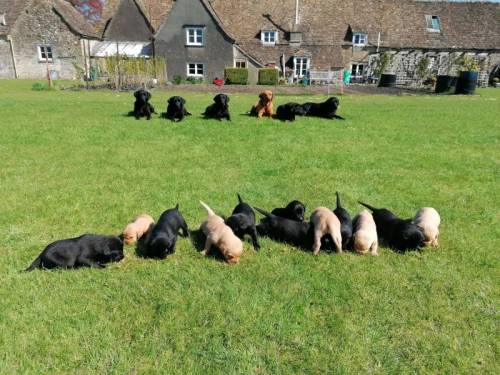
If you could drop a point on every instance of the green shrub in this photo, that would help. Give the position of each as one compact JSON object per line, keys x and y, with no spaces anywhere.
{"x":268,"y":76}
{"x":194,"y":80}
{"x":177,"y":79}
{"x":236,"y":76}
{"x":43,"y":86}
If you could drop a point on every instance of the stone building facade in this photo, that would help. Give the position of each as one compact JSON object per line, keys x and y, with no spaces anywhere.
{"x":43,"y":35}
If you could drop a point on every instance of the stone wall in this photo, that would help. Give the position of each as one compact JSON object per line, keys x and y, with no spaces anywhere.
{"x":39,"y":24}
{"x":405,"y":62}
{"x":6,"y":66}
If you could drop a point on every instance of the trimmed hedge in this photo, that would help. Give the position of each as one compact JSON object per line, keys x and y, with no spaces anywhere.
{"x":236,"y":76}
{"x":268,"y":76}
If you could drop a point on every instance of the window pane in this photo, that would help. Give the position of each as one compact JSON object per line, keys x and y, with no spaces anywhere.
{"x":435,"y":23}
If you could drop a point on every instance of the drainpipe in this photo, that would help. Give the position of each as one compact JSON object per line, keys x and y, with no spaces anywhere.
{"x":296,"y":12}
{"x":13,"y":56}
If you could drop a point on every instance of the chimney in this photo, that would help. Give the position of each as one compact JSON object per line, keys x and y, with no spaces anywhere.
{"x":296,"y":33}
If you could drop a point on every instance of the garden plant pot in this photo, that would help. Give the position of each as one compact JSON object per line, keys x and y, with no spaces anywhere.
{"x":467,"y":82}
{"x":443,"y":84}
{"x":387,"y":80}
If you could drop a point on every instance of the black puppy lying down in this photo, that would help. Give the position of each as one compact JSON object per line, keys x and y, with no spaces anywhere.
{"x":288,"y":111}
{"x":162,"y":239}
{"x":327,"y":109}
{"x":294,"y":210}
{"x":399,"y":234}
{"x":88,"y":250}
{"x":242,"y":221}
{"x":142,"y":108}
{"x":220,"y":108}
{"x":176,"y":109}
{"x":296,"y":233}
{"x":345,"y":223}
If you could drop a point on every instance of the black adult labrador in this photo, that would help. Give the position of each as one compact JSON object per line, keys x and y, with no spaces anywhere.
{"x":88,"y":250}
{"x":142,"y":107}
{"x":288,"y":111}
{"x":399,"y":234}
{"x":242,"y":221}
{"x":220,"y":109}
{"x":295,"y":210}
{"x":163,"y":238}
{"x":327,"y":109}
{"x":176,"y":109}
{"x":296,"y":233}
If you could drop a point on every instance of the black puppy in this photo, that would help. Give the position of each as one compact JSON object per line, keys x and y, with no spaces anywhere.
{"x":142,"y":108}
{"x":295,"y":210}
{"x":296,"y":233}
{"x":176,"y":109}
{"x":327,"y":109}
{"x":220,"y":108}
{"x":399,"y":234}
{"x":345,"y":223}
{"x":88,"y":250}
{"x":162,"y":239}
{"x":288,"y":111}
{"x":242,"y":221}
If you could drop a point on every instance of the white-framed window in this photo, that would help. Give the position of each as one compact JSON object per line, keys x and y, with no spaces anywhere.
{"x":240,"y":63}
{"x":269,"y":37}
{"x":195,"y":36}
{"x":301,"y":66}
{"x":359,"y":39}
{"x":357,"y":70}
{"x":195,"y":69}
{"x":44,"y":53}
{"x":433,"y":23}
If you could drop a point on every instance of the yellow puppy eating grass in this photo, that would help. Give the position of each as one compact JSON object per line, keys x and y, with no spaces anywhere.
{"x":365,"y":238}
{"x":138,"y":228}
{"x":325,"y":222}
{"x":220,"y":235}
{"x":427,"y":220}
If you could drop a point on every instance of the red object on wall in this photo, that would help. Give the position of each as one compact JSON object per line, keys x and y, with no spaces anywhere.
{"x":218,"y":82}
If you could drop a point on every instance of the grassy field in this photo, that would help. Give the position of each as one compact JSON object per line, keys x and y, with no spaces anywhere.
{"x":72,"y":163}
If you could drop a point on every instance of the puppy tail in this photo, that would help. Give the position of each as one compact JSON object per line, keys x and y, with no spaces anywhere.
{"x":338,"y":200}
{"x":263,"y":212}
{"x":209,"y":210}
{"x":367,"y":206}
{"x":240,"y":199}
{"x":37,"y":263}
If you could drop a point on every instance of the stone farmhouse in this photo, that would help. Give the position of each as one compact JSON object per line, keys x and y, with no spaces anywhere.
{"x":199,"y":38}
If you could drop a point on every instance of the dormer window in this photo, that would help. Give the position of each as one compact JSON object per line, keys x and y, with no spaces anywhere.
{"x":433,"y":24}
{"x":269,"y":37}
{"x":359,"y":39}
{"x":194,"y":36}
{"x":3,"y":22}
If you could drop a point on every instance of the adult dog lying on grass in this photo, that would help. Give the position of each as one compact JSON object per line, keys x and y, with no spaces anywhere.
{"x":142,"y":107}
{"x":327,"y":109}
{"x":88,"y":250}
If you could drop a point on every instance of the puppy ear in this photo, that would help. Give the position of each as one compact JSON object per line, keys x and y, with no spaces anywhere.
{"x":217,"y":99}
{"x":227,"y":99}
{"x":169,"y":101}
{"x":183,"y":101}
{"x":148,"y":95}
{"x":136,"y":94}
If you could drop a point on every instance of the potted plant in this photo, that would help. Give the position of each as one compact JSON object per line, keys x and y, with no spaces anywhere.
{"x":467,"y":79}
{"x":383,"y":70}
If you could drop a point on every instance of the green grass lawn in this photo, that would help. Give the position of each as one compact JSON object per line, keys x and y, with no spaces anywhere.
{"x":72,"y":163}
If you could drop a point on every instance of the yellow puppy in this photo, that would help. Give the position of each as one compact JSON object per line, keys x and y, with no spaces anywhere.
{"x":325,"y":222}
{"x":365,"y":237}
{"x":428,"y":220}
{"x":220,"y":235}
{"x":138,"y":228}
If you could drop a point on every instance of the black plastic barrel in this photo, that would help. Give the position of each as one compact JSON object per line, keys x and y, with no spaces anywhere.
{"x":443,"y":84}
{"x":387,"y":80}
{"x":466,"y":83}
